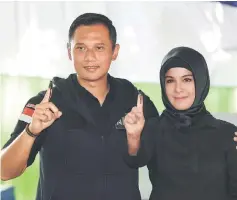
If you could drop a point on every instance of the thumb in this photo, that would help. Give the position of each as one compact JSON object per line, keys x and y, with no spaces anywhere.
{"x":47,"y":96}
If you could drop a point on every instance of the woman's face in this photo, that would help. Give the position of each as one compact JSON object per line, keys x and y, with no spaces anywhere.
{"x":180,"y":88}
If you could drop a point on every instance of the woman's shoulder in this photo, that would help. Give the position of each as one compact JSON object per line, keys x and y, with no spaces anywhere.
{"x":154,"y":124}
{"x":227,"y":125}
{"x":227,"y":132}
{"x":224,"y":127}
{"x":222,"y":123}
{"x":158,"y":123}
{"x":154,"y":121}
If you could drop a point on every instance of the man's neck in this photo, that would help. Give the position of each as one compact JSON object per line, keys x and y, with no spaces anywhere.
{"x":98,"y":89}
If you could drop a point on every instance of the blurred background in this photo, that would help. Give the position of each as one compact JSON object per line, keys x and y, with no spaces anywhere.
{"x":33,"y":50}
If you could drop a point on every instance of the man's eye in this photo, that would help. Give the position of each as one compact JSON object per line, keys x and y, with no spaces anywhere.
{"x":169,"y":81}
{"x":81,"y":48}
{"x":100,"y":48}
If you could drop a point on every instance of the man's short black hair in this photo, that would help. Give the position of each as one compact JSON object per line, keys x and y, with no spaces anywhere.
{"x":91,"y":19}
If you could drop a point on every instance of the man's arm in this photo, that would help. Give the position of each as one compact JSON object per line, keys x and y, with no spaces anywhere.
{"x":20,"y":151}
{"x":15,"y":156}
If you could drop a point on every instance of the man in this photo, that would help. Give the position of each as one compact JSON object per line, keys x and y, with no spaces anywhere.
{"x":77,"y":125}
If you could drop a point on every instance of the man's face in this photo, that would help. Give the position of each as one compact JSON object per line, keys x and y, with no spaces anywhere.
{"x":91,"y":52}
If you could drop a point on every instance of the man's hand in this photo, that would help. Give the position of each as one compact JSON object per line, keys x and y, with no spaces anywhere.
{"x":235,"y":138}
{"x":44,"y":115}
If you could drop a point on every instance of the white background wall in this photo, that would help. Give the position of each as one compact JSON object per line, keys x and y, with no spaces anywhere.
{"x":34,"y":35}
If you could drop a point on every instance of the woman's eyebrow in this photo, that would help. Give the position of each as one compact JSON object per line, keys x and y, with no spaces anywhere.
{"x":187,"y":75}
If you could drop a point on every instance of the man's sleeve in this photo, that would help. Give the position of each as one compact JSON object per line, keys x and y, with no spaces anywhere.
{"x":24,"y":119}
{"x":231,"y":157}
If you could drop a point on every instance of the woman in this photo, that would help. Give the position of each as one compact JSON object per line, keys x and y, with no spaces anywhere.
{"x":190,"y":154}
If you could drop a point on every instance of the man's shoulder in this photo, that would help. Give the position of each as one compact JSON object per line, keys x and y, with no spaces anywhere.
{"x":37,"y":98}
{"x":124,"y":86}
{"x":123,"y":82}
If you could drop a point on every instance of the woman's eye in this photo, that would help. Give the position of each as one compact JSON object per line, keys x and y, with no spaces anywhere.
{"x":188,"y":80}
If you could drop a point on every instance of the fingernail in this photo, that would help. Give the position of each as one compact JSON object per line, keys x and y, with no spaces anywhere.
{"x":235,"y":133}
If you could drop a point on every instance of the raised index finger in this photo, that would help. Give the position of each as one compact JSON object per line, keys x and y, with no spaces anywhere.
{"x":47,"y":96}
{"x":140,"y":102}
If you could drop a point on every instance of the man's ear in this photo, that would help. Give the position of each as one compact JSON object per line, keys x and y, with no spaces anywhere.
{"x":115,"y":52}
{"x":69,"y":51}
